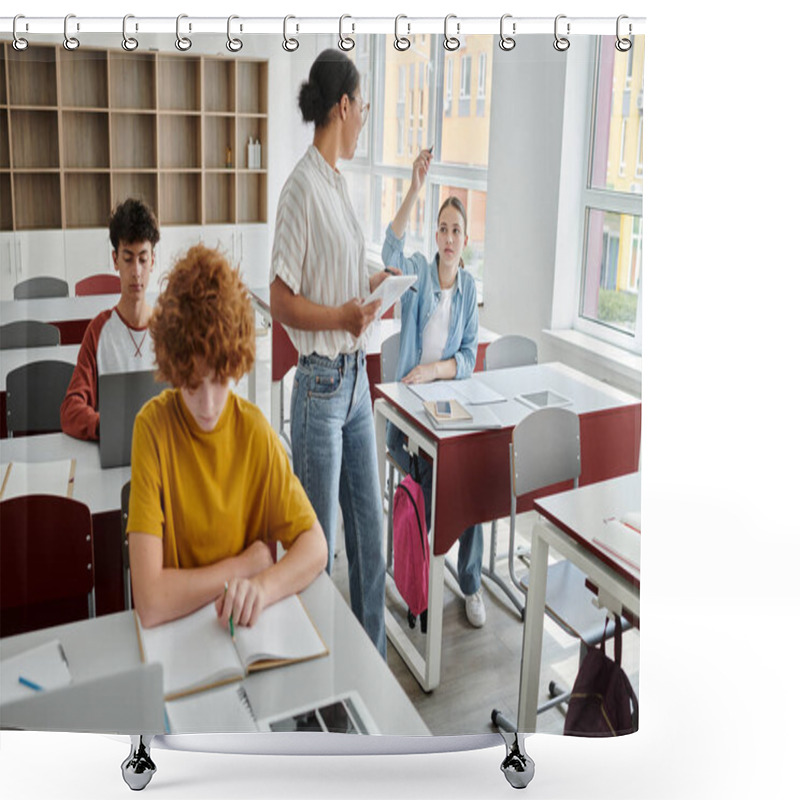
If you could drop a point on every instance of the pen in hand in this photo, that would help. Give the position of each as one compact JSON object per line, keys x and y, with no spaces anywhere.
{"x":230,"y":618}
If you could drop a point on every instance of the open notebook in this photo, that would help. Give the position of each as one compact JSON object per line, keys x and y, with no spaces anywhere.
{"x":198,"y":653}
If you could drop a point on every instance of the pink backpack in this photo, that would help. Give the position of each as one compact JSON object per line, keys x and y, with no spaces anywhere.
{"x":411,"y":554}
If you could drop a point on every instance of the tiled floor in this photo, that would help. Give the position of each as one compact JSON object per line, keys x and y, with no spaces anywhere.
{"x":480,"y":667}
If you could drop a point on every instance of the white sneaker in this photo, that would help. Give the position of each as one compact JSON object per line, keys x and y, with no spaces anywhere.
{"x":476,"y":613}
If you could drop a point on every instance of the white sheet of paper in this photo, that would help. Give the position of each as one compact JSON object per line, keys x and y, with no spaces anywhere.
{"x":468,"y":392}
{"x":390,"y":290}
{"x":44,"y":665}
{"x":42,"y":477}
{"x":223,"y":710}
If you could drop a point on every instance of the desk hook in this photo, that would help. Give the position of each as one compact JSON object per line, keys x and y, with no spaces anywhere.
{"x":19,"y":43}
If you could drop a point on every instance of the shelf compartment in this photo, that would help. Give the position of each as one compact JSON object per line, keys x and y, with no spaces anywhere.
{"x":245,"y":128}
{"x":37,"y":201}
{"x":252,"y":197}
{"x":252,"y":89}
{"x":3,"y":96}
{"x":6,"y":217}
{"x":179,"y":141}
{"x":84,"y":78}
{"x":219,"y":133}
{"x":85,"y":139}
{"x":133,"y":141}
{"x":5,"y":156}
{"x":87,"y":199}
{"x":220,"y":198}
{"x":180,"y":199}
{"x":138,"y":185}
{"x":178,"y":83}
{"x":34,"y":139}
{"x":132,"y":81}
{"x":32,"y":76}
{"x":219,"y":86}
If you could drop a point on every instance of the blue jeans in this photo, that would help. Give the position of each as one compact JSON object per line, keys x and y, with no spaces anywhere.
{"x":335,"y":458}
{"x":470,"y":543}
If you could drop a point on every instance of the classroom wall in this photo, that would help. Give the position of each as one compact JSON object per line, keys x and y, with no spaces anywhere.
{"x":533,"y":203}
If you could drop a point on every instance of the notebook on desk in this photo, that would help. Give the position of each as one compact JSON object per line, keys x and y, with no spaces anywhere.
{"x":120,"y":396}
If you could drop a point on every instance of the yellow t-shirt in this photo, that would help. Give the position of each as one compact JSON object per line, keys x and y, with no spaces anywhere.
{"x":209,"y":495}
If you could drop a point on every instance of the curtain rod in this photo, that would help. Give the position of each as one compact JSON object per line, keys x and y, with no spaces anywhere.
{"x":188,"y":25}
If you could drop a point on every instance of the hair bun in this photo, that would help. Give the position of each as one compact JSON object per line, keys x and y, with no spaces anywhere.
{"x":310,"y":101}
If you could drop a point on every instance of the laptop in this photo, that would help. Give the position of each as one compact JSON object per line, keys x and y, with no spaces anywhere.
{"x":120,"y":396}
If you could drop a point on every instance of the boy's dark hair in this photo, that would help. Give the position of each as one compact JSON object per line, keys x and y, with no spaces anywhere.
{"x":133,"y":221}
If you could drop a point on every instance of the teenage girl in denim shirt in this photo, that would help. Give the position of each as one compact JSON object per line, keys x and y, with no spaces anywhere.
{"x":438,"y":340}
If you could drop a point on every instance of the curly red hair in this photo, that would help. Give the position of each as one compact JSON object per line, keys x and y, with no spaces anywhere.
{"x":203,"y":321}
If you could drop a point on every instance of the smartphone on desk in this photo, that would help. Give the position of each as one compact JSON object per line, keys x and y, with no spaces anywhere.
{"x":443,"y":408}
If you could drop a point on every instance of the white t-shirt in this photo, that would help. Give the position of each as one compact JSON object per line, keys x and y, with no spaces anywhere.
{"x":434,"y":337}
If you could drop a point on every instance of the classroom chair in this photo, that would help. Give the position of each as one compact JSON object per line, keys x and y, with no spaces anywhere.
{"x":511,"y":350}
{"x":34,"y":393}
{"x":545,"y":451}
{"x":101,"y":283}
{"x":41,"y":286}
{"x":47,"y":569}
{"x":28,"y":333}
{"x":125,"y":496}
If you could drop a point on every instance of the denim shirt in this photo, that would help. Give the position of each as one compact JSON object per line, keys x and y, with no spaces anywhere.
{"x":420,"y":301}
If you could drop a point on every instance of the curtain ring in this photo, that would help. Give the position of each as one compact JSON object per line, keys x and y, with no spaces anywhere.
{"x":183,"y":43}
{"x":128,"y":42}
{"x":233,"y":44}
{"x":623,"y":44}
{"x":561,"y":43}
{"x":507,"y":42}
{"x":289,"y":44}
{"x":70,"y":42}
{"x":451,"y":43}
{"x":19,"y":43}
{"x":346,"y":42}
{"x":401,"y":43}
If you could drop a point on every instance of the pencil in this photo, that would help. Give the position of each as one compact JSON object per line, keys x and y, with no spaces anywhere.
{"x":230,"y":618}
{"x":30,"y":684}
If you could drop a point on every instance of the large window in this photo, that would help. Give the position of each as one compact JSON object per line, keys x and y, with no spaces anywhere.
{"x":412,"y":93}
{"x":611,"y":279}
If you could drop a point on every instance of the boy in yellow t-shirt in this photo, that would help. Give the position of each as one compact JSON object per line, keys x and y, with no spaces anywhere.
{"x":211,"y":485}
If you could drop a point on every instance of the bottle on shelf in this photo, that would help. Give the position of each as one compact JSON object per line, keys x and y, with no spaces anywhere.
{"x":251,"y":152}
{"x":228,"y":157}
{"x":258,"y":155}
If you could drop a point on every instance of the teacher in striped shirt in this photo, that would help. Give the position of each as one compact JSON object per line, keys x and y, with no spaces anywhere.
{"x":318,"y":281}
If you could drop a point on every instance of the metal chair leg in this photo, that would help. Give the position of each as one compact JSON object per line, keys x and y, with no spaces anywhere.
{"x":517,"y":766}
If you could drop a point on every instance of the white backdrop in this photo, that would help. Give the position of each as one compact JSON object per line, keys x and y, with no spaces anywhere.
{"x":720,"y":599}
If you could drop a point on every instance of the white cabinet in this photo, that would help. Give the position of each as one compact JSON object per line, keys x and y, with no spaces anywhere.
{"x":87,"y":252}
{"x":28,"y":254}
{"x":223,"y":238}
{"x":253,"y":253}
{"x":8,"y":265}
{"x":174,"y":242}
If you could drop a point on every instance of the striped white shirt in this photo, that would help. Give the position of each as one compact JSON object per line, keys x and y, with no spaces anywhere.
{"x":318,"y":250}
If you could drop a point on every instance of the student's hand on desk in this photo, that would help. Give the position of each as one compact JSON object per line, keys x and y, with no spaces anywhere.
{"x":243,"y":601}
{"x":357,"y":316}
{"x":254,"y":559}
{"x":377,"y":278}
{"x":422,"y":373}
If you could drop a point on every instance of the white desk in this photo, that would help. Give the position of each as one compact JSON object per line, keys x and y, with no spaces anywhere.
{"x":570,"y":522}
{"x":53,"y":309}
{"x":471,"y":472}
{"x":104,"y":646}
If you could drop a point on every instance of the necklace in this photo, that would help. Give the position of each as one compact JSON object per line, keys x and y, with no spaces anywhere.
{"x":138,"y":353}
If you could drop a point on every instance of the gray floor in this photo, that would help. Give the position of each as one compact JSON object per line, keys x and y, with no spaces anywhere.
{"x":480,"y":667}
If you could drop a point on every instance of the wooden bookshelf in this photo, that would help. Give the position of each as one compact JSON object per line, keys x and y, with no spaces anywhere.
{"x":82,"y":130}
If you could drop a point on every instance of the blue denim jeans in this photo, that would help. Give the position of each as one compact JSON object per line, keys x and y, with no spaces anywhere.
{"x":470,"y":543}
{"x":335,"y":458}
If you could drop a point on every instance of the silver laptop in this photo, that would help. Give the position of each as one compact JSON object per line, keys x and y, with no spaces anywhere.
{"x":120,"y":396}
